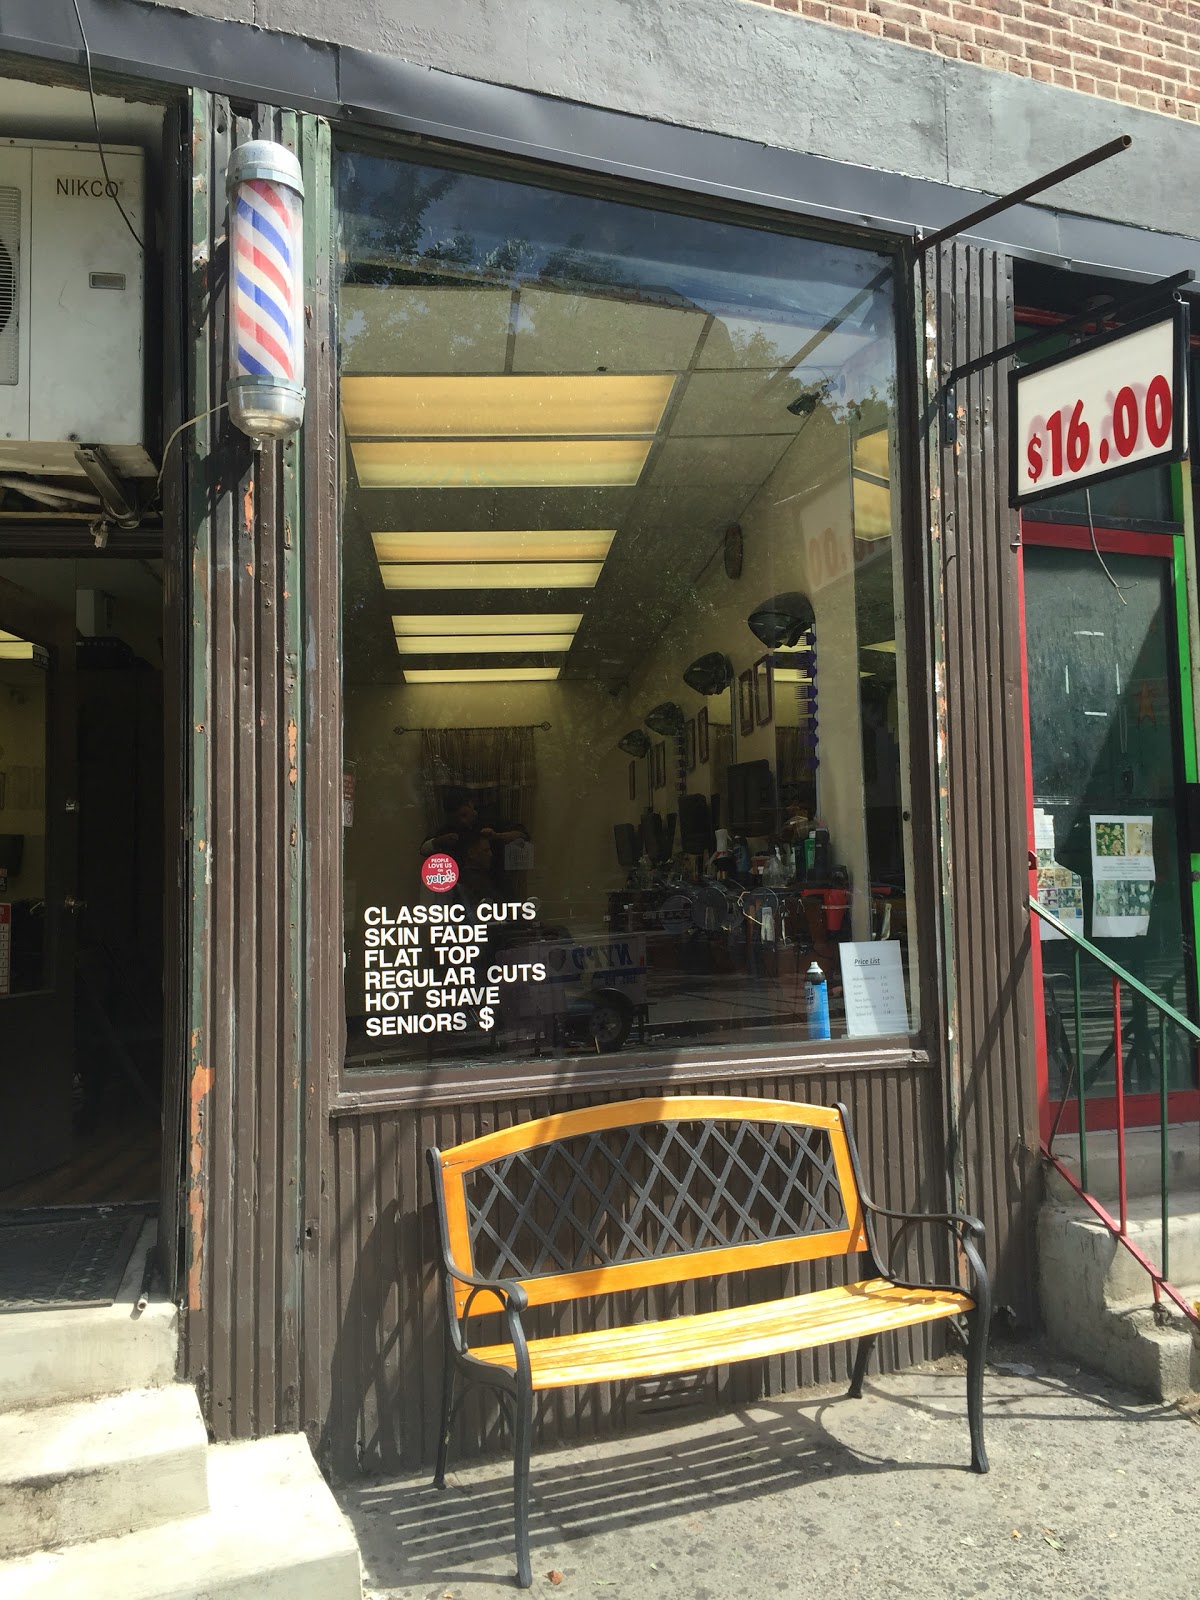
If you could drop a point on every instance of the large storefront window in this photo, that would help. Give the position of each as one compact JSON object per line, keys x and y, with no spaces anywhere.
{"x":625,"y":719}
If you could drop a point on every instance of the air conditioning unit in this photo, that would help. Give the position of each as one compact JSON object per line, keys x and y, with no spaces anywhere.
{"x":72,"y":308}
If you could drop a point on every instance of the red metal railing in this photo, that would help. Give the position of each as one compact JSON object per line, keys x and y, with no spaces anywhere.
{"x":1118,"y":1226}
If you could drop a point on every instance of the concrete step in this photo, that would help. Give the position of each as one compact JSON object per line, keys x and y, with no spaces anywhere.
{"x":1168,"y":1347}
{"x":48,"y":1357}
{"x":1143,"y":1162}
{"x":1124,"y":1281}
{"x":92,"y":1469}
{"x":1097,"y":1302}
{"x":272,"y":1532}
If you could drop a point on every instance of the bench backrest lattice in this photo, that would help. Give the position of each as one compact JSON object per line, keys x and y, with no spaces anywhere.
{"x":649,"y":1191}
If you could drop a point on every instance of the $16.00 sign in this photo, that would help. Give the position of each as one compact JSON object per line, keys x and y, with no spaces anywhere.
{"x":1118,"y":403}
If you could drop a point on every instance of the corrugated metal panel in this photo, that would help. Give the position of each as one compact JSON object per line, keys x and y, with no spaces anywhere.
{"x":992,"y":1084}
{"x":386,"y":1345}
{"x":243,"y":1280}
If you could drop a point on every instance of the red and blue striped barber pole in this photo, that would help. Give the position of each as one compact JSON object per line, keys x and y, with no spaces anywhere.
{"x":266,"y":290}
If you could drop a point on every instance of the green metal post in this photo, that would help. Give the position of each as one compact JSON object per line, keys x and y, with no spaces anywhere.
{"x":1080,"y":1087}
{"x":1187,"y":635}
{"x":1163,"y":1140}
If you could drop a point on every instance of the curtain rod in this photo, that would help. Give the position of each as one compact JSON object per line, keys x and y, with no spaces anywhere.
{"x":510,"y":727}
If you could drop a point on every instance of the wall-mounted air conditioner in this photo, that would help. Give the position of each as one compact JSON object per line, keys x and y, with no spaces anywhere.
{"x":72,"y":316}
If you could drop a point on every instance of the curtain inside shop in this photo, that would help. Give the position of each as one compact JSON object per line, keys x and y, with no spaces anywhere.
{"x":493,"y":768}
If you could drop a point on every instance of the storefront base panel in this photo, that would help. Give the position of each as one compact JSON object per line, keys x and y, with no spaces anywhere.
{"x":386,"y":1356}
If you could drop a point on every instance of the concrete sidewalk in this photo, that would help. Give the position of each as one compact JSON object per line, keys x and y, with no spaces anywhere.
{"x":1093,"y":1493}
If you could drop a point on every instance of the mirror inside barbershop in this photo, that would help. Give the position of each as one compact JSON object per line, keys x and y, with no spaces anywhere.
{"x":625,"y":714}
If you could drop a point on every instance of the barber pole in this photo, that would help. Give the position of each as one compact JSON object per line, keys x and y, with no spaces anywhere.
{"x":266,"y":290}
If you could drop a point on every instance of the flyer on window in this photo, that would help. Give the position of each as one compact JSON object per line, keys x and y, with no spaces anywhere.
{"x":1058,"y":888}
{"x":873,"y":988}
{"x":1122,"y":876}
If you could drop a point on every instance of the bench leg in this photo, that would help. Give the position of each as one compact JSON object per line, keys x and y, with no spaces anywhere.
{"x":439,"y":1476}
{"x":977,"y":1321}
{"x":863,"y":1355}
{"x":522,"y":1440}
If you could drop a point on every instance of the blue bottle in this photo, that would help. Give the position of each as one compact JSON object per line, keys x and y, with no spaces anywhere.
{"x":816,"y":997}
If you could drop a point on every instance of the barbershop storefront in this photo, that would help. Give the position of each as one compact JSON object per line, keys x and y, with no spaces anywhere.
{"x":623,"y":636}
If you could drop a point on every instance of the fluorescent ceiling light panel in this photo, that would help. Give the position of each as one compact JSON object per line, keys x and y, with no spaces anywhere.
{"x":477,"y":623}
{"x":532,"y":544}
{"x":872,"y":486}
{"x":502,"y":405}
{"x":885,"y":647}
{"x":500,"y":463}
{"x":490,"y":574}
{"x":872,"y":453}
{"x":480,"y":674}
{"x":14,"y":648}
{"x":484,"y":644}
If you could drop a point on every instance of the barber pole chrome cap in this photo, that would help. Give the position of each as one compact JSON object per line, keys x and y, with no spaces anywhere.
{"x":266,"y":290}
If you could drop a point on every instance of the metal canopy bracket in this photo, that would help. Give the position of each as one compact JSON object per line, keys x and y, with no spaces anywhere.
{"x":118,"y":499}
{"x":1016,"y":197}
{"x":984,"y":213}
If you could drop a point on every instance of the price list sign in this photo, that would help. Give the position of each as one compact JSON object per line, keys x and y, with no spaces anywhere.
{"x":5,"y":948}
{"x":1116,"y":404}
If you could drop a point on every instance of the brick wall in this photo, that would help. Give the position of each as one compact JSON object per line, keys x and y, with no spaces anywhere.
{"x":1133,"y":51}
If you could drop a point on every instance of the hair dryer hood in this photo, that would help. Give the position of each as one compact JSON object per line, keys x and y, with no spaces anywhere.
{"x":710,"y":674}
{"x":635,"y":743}
{"x":665,"y":718}
{"x":782,"y":620}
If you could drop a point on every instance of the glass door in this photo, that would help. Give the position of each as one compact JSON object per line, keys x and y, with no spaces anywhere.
{"x":1106,"y":755}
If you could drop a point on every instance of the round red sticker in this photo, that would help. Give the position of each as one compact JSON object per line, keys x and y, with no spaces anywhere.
{"x":439,"y":873}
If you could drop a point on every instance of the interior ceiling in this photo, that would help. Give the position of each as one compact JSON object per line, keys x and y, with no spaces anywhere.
{"x":725,"y":428}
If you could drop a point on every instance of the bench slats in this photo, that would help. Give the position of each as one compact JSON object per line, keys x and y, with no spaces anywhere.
{"x":631,"y":1113}
{"x":690,"y":1343}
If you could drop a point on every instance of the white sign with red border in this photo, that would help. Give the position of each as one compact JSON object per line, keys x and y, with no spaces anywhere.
{"x":1117,"y":404}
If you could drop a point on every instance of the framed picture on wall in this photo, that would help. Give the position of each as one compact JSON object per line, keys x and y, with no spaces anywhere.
{"x":764,"y":692}
{"x":633,"y":780}
{"x":660,"y":764}
{"x":702,"y":735}
{"x":689,"y":743}
{"x":746,"y":700}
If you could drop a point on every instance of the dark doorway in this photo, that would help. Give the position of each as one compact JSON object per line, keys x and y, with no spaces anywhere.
{"x":81,"y":821}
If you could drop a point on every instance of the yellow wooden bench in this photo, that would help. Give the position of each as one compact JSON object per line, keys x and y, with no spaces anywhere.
{"x":657,"y":1192}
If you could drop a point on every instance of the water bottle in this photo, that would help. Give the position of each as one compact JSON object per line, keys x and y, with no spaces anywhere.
{"x":816,"y":997}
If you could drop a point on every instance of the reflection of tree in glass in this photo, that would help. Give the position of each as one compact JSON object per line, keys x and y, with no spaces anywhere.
{"x":572,"y":263}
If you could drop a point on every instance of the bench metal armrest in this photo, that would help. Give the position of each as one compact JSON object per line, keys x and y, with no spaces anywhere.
{"x":506,"y":1289}
{"x":968,"y":1231}
{"x":513,"y":1300}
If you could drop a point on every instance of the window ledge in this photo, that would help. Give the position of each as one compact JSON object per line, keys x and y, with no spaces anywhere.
{"x":377,"y":1091}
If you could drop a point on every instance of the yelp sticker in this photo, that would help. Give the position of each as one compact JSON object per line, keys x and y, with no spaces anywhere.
{"x":439,"y":872}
